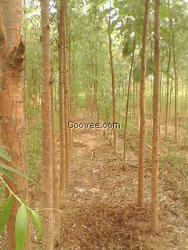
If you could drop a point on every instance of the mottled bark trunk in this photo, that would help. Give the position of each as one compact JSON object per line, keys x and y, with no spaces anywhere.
{"x":142,"y":110}
{"x":12,"y":120}
{"x":156,"y":109}
{"x":47,"y":142}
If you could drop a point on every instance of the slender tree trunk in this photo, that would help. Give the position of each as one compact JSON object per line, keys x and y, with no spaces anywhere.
{"x":137,"y":104}
{"x":56,"y":177}
{"x":65,"y":135}
{"x":47,"y":140}
{"x":69,"y":84}
{"x":127,"y":104}
{"x":66,"y":91}
{"x":61,"y":106}
{"x":113,"y":84}
{"x":142,"y":109}
{"x":156,"y":108}
{"x":161,"y":99}
{"x":167,"y":93}
{"x":94,"y":85}
{"x":134,"y":98}
{"x":170,"y":101}
{"x":185,"y":100}
{"x":176,"y":87}
{"x":12,"y":120}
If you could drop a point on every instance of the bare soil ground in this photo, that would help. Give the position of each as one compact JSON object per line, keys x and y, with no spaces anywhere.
{"x":100,"y":209}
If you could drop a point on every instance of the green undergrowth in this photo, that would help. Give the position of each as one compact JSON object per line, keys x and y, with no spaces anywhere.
{"x":34,"y":146}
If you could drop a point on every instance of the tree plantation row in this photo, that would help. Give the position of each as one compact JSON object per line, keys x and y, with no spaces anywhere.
{"x":65,"y":66}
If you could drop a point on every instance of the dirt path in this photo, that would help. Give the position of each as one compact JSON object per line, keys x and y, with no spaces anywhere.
{"x":100,"y":209}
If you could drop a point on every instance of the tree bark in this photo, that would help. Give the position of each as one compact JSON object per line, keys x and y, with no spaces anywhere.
{"x":176,"y":87}
{"x":156,"y":108}
{"x":47,"y":140}
{"x":61,"y":105}
{"x":142,"y":110}
{"x":168,"y":93}
{"x":113,"y":84}
{"x":127,"y":104}
{"x":56,"y":178}
{"x":65,"y":135}
{"x":12,"y":121}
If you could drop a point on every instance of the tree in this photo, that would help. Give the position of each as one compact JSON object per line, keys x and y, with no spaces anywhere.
{"x":128,"y":97}
{"x":113,"y":82}
{"x":47,"y":140}
{"x":156,"y":101}
{"x":142,"y":109}
{"x":176,"y":87}
{"x":64,"y":94}
{"x":11,"y":95}
{"x":168,"y":93}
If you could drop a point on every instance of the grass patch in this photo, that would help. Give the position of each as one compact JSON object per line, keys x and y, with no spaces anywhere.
{"x":176,"y":160}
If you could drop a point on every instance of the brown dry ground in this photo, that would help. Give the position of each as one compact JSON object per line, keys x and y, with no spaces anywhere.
{"x":100,"y":209}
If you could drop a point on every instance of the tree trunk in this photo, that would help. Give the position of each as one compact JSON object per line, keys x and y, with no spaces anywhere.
{"x":113,"y":84}
{"x":142,"y":109}
{"x":61,"y":106}
{"x":170,"y":101}
{"x":65,"y":140}
{"x":47,"y":140}
{"x":168,"y":93}
{"x":12,"y":120}
{"x":176,"y":87}
{"x":156,"y":108}
{"x":127,"y":104}
{"x":56,"y":178}
{"x":68,"y":39}
{"x":66,"y":93}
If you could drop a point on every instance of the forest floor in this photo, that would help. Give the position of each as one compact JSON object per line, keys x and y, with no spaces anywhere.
{"x":100,"y":210}
{"x":100,"y":207}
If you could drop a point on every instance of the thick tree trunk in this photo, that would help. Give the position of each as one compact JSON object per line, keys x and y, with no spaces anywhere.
{"x":113,"y":84}
{"x":47,"y":140}
{"x":12,"y":120}
{"x":142,"y":110}
{"x":156,"y":108}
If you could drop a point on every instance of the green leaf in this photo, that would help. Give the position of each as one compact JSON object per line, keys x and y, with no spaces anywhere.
{"x":15,"y":171}
{"x":164,"y":11}
{"x":5,"y":213}
{"x":4,"y":155}
{"x":21,"y":228}
{"x":7,"y":174}
{"x":37,"y":223}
